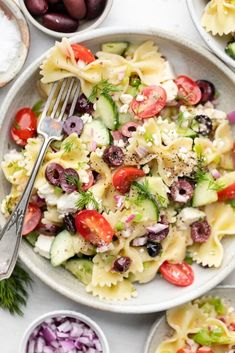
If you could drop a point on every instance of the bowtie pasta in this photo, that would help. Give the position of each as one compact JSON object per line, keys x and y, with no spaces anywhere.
{"x":143,"y":180}
{"x":219,"y":19}
{"x":204,"y":325}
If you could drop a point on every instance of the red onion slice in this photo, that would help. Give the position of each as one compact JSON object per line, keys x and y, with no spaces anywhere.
{"x":141,"y":241}
{"x":157,"y":228}
{"x":130,"y":218}
{"x":231,"y":117}
{"x":215,"y":173}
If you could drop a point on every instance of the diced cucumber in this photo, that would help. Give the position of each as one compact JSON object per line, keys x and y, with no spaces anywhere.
{"x":96,"y":131}
{"x":203,"y":195}
{"x":132,"y":91}
{"x":115,"y":47}
{"x":131,"y":50}
{"x":80,"y":268}
{"x":227,"y":179}
{"x":107,"y":111}
{"x":147,"y":209}
{"x":158,"y":189}
{"x":186,"y":132}
{"x":32,"y":238}
{"x":125,"y":118}
{"x":62,"y":248}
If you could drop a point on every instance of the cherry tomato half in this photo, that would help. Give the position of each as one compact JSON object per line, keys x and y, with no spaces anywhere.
{"x":181,"y":274}
{"x":87,"y":186}
{"x":189,"y":92}
{"x":82,"y":53}
{"x":183,"y":350}
{"x":154,"y":100}
{"x":232,"y":326}
{"x":124,"y":176}
{"x":203,"y":350}
{"x":32,"y":219}
{"x":227,"y":193}
{"x":93,"y":227}
{"x":24,"y":126}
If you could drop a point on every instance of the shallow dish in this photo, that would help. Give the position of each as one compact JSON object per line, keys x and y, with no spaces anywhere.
{"x":160,"y":328}
{"x":157,"y":295}
{"x":83,"y":27}
{"x":13,"y":12}
{"x":215,"y":43}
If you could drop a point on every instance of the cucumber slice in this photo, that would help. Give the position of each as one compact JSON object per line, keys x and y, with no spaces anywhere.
{"x":81,"y":269}
{"x":203,"y":195}
{"x":147,"y":209}
{"x":227,"y":179}
{"x":115,"y":47}
{"x":32,"y":238}
{"x":186,"y":132}
{"x":62,"y":248}
{"x":158,"y":189}
{"x":107,"y":111}
{"x":97,"y":132}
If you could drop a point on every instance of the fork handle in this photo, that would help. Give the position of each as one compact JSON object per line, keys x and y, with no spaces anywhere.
{"x":10,"y":236}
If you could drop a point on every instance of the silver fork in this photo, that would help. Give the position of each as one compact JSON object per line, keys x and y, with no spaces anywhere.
{"x":50,"y":128}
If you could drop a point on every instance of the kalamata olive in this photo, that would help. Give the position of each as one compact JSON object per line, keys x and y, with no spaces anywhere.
{"x":59,"y":22}
{"x":91,"y":181}
{"x":69,"y":223}
{"x":153,"y":249}
{"x":54,"y":1}
{"x":122,"y":264}
{"x":83,"y":105}
{"x":69,"y":180}
{"x":182,"y":191}
{"x":208,"y":90}
{"x":76,"y":8}
{"x":129,"y":128}
{"x":94,"y":8}
{"x":38,"y":201}
{"x":202,"y":124}
{"x":36,"y":7}
{"x":53,"y":173}
{"x":200,"y":231}
{"x":48,"y":228}
{"x":58,"y":8}
{"x":113,"y":156}
{"x":73,"y":124}
{"x":157,"y":233}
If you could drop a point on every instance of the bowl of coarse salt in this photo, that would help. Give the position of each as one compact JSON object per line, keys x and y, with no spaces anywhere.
{"x":14,"y":42}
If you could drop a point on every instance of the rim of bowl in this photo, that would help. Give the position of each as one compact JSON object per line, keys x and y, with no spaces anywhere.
{"x":70,"y":313}
{"x":207,"y":36}
{"x":102,"y":304}
{"x":22,"y":25}
{"x":56,"y":34}
{"x":158,"y":321}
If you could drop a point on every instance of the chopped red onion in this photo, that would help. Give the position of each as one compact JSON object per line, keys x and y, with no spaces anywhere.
{"x":231,"y":117}
{"x":63,"y":335}
{"x":119,"y":200}
{"x":117,"y":135}
{"x":215,"y":173}
{"x":157,"y":228}
{"x":130,"y":218}
{"x":141,"y":151}
{"x":141,"y":241}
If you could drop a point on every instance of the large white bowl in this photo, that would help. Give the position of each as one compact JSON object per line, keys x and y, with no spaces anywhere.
{"x":161,"y":329}
{"x":216,"y":43}
{"x":187,"y":58}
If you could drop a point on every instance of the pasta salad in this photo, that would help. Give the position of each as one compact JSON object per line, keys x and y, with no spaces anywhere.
{"x":142,"y":182}
{"x":206,"y":325}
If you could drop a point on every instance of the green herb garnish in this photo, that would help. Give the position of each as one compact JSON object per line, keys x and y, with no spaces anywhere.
{"x":103,"y":87}
{"x":231,"y":203}
{"x":37,"y":108}
{"x":73,"y":180}
{"x":68,"y":146}
{"x":13,"y":291}
{"x":86,"y":198}
{"x":58,"y":190}
{"x":119,"y":226}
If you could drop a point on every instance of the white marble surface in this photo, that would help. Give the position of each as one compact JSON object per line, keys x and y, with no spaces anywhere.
{"x":125,"y":333}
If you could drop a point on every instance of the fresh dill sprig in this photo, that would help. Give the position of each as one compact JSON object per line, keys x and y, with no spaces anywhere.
{"x":102,"y":87}
{"x":144,"y":192}
{"x":68,"y":146}
{"x":203,"y":175}
{"x":87,"y":199}
{"x":73,"y":180}
{"x":37,"y":108}
{"x":13,"y":291}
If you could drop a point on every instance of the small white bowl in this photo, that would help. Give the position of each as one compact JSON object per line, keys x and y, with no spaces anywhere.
{"x":13,"y":12}
{"x":68,"y":313}
{"x":216,"y":43}
{"x":85,"y":25}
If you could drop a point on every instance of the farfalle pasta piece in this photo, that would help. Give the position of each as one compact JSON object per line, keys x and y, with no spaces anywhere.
{"x":219,"y":17}
{"x":121,"y":291}
{"x":221,"y":218}
{"x":51,"y":216}
{"x":97,"y":164}
{"x":149,"y":272}
{"x":101,"y":277}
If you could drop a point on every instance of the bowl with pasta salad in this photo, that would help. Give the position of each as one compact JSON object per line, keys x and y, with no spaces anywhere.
{"x":133,"y":210}
{"x":215,"y":21}
{"x":206,"y":324}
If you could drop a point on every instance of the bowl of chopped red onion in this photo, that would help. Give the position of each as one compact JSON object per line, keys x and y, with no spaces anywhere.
{"x":64,"y":331}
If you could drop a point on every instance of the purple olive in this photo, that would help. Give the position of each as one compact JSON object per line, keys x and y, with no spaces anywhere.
{"x":48,"y":229}
{"x":38,"y":201}
{"x":129,"y":128}
{"x":94,"y":8}
{"x":202,"y":124}
{"x":53,"y":173}
{"x":58,"y":8}
{"x":76,"y":8}
{"x":122,"y":264}
{"x":73,"y":124}
{"x":113,"y":156}
{"x":69,"y":223}
{"x":60,"y":22}
{"x":153,"y":248}
{"x":207,"y":89}
{"x":200,"y":231}
{"x":83,"y":105}
{"x":36,"y":7}
{"x":69,"y":180}
{"x":156,"y":234}
{"x":54,"y":1}
{"x":182,"y":191}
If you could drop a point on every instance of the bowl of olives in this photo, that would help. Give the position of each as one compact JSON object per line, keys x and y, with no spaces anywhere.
{"x":64,"y":18}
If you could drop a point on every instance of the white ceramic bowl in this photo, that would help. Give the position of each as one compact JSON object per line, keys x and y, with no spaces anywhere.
{"x":68,"y":313}
{"x":13,"y":12}
{"x":160,"y":328}
{"x":84,"y":26}
{"x":187,"y":58}
{"x":216,"y":43}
